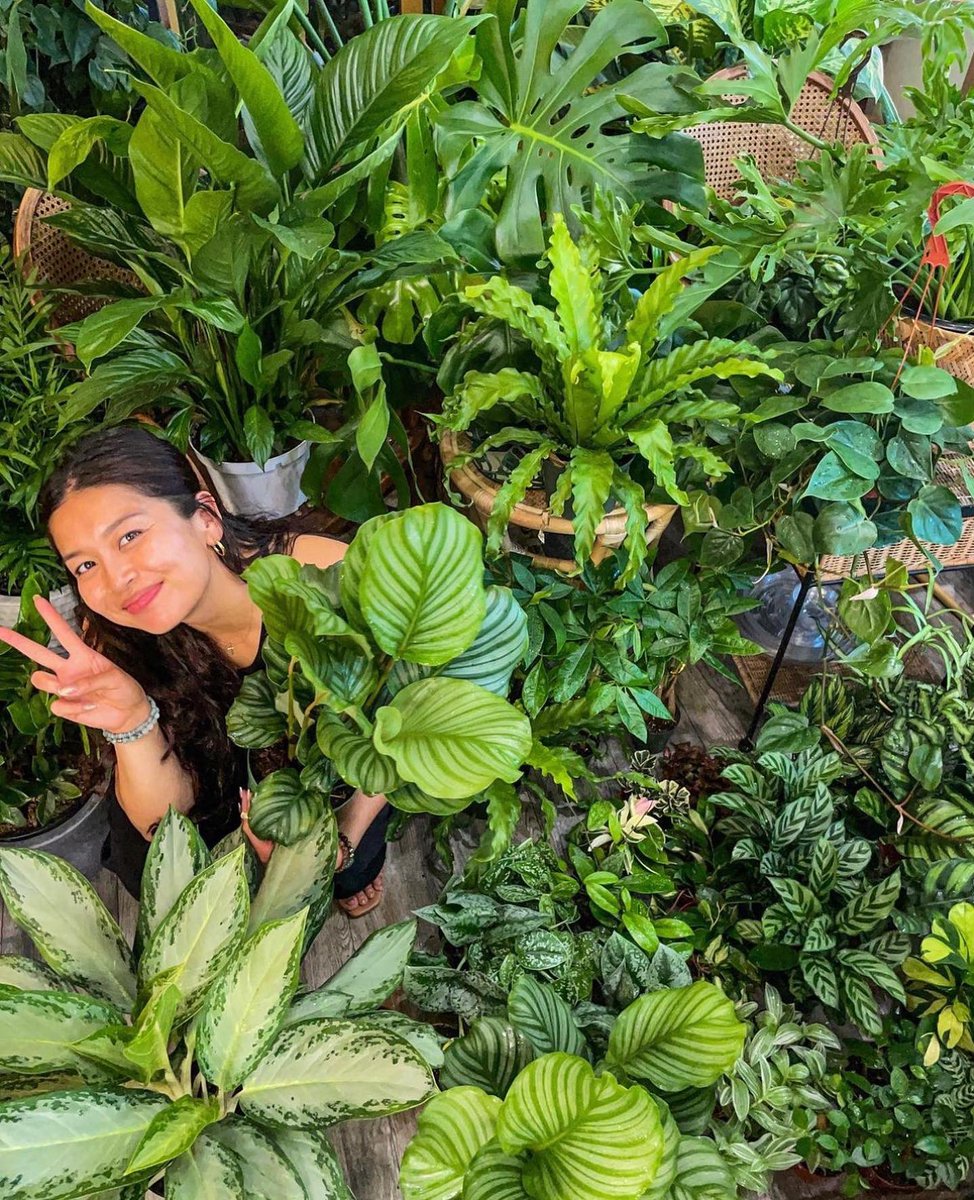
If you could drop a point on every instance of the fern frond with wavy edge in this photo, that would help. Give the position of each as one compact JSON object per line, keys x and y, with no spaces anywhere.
{"x":513,"y":492}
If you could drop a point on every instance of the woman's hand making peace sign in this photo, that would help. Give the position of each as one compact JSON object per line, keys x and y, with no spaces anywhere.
{"x":91,"y":690}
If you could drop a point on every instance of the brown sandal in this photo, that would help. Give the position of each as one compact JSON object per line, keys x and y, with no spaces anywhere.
{"x":359,"y":910}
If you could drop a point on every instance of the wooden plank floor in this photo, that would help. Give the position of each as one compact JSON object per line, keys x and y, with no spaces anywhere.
{"x":715,"y":711}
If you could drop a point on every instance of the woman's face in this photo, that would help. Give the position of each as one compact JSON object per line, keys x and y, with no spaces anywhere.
{"x":135,"y":560}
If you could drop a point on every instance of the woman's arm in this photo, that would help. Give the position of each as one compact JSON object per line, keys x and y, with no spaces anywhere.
{"x":145,"y":785}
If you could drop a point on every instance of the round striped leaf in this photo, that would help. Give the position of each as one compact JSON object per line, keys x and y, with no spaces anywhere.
{"x":369,"y":977}
{"x":282,"y":809}
{"x":588,"y":1136}
{"x":253,"y":720}
{"x":354,"y":562}
{"x":701,"y":1172}
{"x":63,"y":916}
{"x":450,"y":1130}
{"x":536,"y":1010}
{"x":67,"y":1144}
{"x":411,"y":799}
{"x":200,"y":933}
{"x":315,"y":1163}
{"x":245,"y":1008}
{"x":207,"y":1171}
{"x":37,"y":1029}
{"x":422,"y":590}
{"x":671,"y":1145}
{"x":678,"y":1038}
{"x":300,"y":876}
{"x":176,"y":854}
{"x":340,"y":673}
{"x":321,"y":1071}
{"x":19,"y":972}
{"x":265,"y":1168}
{"x":356,"y":759}
{"x":452,"y":738}
{"x":490,"y":1056}
{"x":494,"y":1175}
{"x":498,"y":647}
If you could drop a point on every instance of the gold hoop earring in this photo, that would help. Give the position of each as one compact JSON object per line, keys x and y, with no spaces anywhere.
{"x":219,"y":550}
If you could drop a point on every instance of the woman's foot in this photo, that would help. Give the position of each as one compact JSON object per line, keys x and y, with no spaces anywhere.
{"x":365,"y":900}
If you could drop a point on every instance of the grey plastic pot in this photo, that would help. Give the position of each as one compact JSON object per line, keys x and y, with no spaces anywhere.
{"x":80,"y":838}
{"x":249,"y":491}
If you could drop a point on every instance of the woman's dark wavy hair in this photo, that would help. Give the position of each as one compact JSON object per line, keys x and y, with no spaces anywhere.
{"x":192,"y":681}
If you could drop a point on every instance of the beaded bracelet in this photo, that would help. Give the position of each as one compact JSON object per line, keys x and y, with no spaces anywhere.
{"x":348,"y":856}
{"x":133,"y":735}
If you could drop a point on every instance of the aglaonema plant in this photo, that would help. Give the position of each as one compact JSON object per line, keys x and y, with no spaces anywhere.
{"x":193,"y":1059}
{"x":389,"y":672}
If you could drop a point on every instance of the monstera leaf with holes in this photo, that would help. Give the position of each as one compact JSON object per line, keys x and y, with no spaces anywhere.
{"x":547,"y":120}
{"x":525,"y":1115}
{"x":606,"y":398}
{"x":389,"y":671}
{"x":193,"y":1060}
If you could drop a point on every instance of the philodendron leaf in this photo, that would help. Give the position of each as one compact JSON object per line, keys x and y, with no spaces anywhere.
{"x":300,"y":876}
{"x":176,"y":854}
{"x":498,"y":647}
{"x":452,"y":738}
{"x":315,"y":1163}
{"x":587,"y":1135}
{"x":19,"y":972}
{"x":369,"y":977}
{"x":67,"y":1144}
{"x":65,"y":919}
{"x":261,"y":1160}
{"x":37,"y":1029}
{"x":172,"y":1132}
{"x":677,"y":1038}
{"x":207,"y":1171}
{"x":244,"y":1010}
{"x":422,"y":590}
{"x":449,"y":1132}
{"x":201,"y":932}
{"x":322,"y":1071}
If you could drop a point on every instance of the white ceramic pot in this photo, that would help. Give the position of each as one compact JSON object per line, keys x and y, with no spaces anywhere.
{"x":62,"y":599}
{"x":247,"y":491}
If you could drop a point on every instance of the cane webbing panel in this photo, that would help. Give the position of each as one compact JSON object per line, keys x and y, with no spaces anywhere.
{"x":775,"y":149}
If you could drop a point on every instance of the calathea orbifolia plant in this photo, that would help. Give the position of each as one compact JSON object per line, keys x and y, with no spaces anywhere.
{"x":192,"y":1060}
{"x":618,"y":402}
{"x":388,"y":672}
{"x":530,"y":1110}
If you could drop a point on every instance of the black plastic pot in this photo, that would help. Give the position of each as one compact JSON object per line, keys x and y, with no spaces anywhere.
{"x":79,"y":838}
{"x":658,"y":739}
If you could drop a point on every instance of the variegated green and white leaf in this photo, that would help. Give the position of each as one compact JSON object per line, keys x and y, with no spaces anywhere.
{"x":678,"y":1037}
{"x":422,"y":590}
{"x":148,"y":1048}
{"x":536,"y":1010}
{"x":31,"y":976}
{"x":37,"y":1029}
{"x":176,"y":854}
{"x":489,"y":1056}
{"x":245,"y":1008}
{"x":300,"y":876}
{"x":422,"y":1037}
{"x":63,"y":916}
{"x":450,"y":1130}
{"x":172,"y":1132}
{"x":588,"y":1136}
{"x":68,"y":1144}
{"x":19,"y":1087}
{"x":282,"y":809}
{"x":267,"y":1174}
{"x":200,"y":932}
{"x":498,"y":646}
{"x":452,"y":738}
{"x":315,"y":1162}
{"x":207,"y":1171}
{"x":369,"y":977}
{"x":321,"y":1071}
{"x":233,"y":841}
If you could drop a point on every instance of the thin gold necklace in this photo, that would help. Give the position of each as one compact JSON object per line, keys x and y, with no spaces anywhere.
{"x":229,"y":647}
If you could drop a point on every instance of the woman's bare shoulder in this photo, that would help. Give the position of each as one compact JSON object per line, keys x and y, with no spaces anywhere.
{"x":317,"y":551}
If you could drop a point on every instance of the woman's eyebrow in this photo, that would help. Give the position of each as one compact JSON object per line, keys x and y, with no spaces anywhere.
{"x":107,"y":530}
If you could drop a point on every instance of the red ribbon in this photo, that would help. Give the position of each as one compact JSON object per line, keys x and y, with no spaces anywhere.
{"x":935,"y":253}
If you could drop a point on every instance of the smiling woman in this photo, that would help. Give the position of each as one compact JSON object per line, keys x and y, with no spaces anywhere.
{"x":170,"y":628}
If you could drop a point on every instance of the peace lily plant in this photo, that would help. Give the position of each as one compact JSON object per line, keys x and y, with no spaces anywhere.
{"x":388,"y":671}
{"x":610,"y":396}
{"x":193,"y":1059}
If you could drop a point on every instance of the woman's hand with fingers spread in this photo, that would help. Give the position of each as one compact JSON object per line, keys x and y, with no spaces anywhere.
{"x":90,"y":689}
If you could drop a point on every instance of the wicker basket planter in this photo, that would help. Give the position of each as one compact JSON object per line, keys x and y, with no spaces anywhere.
{"x":951,"y":342}
{"x":531,"y":519}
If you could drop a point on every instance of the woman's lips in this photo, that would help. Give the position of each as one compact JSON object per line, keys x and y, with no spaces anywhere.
{"x":143,"y":599}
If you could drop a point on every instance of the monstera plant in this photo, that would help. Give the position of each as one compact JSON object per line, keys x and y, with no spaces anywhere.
{"x":192,"y":1060}
{"x":389,"y":671}
{"x":527,"y":1115}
